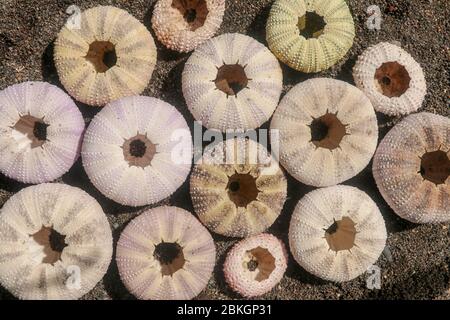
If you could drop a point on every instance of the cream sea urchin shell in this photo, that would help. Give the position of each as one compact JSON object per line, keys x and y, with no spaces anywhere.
{"x":233,"y":190}
{"x":165,"y":253}
{"x":232,"y":82}
{"x":310,"y":35}
{"x":337,"y":233}
{"x":328,"y":131}
{"x":182,"y":25}
{"x":110,"y":56}
{"x":255,"y":265}
{"x":55,"y":243}
{"x":130,"y":150}
{"x":40,"y":132}
{"x":412,"y":168}
{"x":391,"y":78}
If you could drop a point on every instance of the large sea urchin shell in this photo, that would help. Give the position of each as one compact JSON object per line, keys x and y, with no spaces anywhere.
{"x":137,"y":150}
{"x":232,"y":82}
{"x":55,"y":243}
{"x":412,"y":168}
{"x":40,"y":132}
{"x":391,"y":78}
{"x":255,"y":265}
{"x":310,"y":35}
{"x":328,"y":131}
{"x":111,"y":55}
{"x":165,"y":253}
{"x":182,"y":25}
{"x":337,"y":233}
{"x":235,"y":191}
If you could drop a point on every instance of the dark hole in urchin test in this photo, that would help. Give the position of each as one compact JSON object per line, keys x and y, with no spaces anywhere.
{"x":392,"y":79}
{"x":170,"y":256}
{"x":252,"y":265}
{"x":327,"y":131}
{"x":262,"y":262}
{"x":53,"y":244}
{"x":231,"y":79}
{"x":194,"y":12}
{"x":57,"y":241}
{"x":435,"y":166}
{"x":311,"y":25}
{"x":341,"y":234}
{"x":190,"y":15}
{"x":234,"y":186}
{"x":35,"y":129}
{"x":137,"y":148}
{"x":102,"y":55}
{"x":40,"y":130}
{"x":242,"y":189}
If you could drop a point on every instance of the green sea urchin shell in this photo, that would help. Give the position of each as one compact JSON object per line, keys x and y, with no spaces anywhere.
{"x":310,"y":35}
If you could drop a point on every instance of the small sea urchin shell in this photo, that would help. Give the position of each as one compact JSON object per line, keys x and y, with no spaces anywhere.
{"x":137,"y":150}
{"x":165,"y":253}
{"x":391,"y":78}
{"x":232,"y":82}
{"x":255,"y":265}
{"x":40,"y":132}
{"x":237,"y":188}
{"x":337,"y":233}
{"x":412,"y":168}
{"x":310,"y":35}
{"x":110,"y":56}
{"x":55,"y":243}
{"x":182,"y":25}
{"x":328,"y":131}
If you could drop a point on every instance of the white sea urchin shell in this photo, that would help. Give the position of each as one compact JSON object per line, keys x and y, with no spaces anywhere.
{"x":55,"y":243}
{"x":337,"y":233}
{"x":328,"y":131}
{"x":137,"y":150}
{"x":232,"y":82}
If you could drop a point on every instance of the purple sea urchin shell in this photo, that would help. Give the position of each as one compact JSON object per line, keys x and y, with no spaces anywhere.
{"x":255,"y":265}
{"x":165,"y":253}
{"x":40,"y":132}
{"x":55,"y":243}
{"x":130,"y":150}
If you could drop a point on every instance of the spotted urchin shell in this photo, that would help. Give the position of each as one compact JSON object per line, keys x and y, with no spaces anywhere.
{"x":111,"y":55}
{"x":336,"y":233}
{"x":40,"y":132}
{"x":237,"y":188}
{"x":51,"y":236}
{"x":318,"y":51}
{"x":146,"y":264}
{"x":328,"y":131}
{"x":182,"y":25}
{"x":391,"y":78}
{"x":411,"y":168}
{"x":137,"y":150}
{"x":232,"y":82}
{"x":255,"y":265}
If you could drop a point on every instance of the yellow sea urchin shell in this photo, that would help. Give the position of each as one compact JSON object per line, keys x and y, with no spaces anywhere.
{"x":234,"y":190}
{"x":328,"y":131}
{"x":111,"y":56}
{"x":412,"y":168}
{"x":310,"y":35}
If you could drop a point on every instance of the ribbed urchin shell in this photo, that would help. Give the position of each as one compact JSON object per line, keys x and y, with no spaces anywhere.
{"x":232,"y":82}
{"x":391,"y":78}
{"x":111,"y":55}
{"x":242,"y":197}
{"x":255,"y":265}
{"x":166,"y":254}
{"x":182,"y":25}
{"x":137,"y":150}
{"x":322,"y":48}
{"x":40,"y":132}
{"x":328,"y":131}
{"x":337,"y":233}
{"x":411,"y":168}
{"x":47,"y":233}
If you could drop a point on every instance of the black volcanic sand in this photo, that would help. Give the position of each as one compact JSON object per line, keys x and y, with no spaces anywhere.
{"x":418,"y":264}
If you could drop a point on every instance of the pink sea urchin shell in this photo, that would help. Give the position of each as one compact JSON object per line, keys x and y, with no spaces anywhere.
{"x":182,"y":25}
{"x":40,"y":132}
{"x":130,"y":150}
{"x":255,"y":265}
{"x":165,"y":254}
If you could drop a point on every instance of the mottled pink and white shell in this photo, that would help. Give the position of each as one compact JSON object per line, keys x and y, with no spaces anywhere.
{"x":165,"y":254}
{"x":40,"y":132}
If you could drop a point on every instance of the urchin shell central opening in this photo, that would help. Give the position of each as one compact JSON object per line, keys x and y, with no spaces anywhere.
{"x":102,"y":55}
{"x":231,"y":79}
{"x":392,"y":79}
{"x":327,"y":131}
{"x":341,"y":234}
{"x":242,"y":189}
{"x":194,"y":12}
{"x":311,"y":25}
{"x":435,"y":166}
{"x":139,"y":151}
{"x":53,"y":244}
{"x":170,"y":256}
{"x":35,"y":129}
{"x":260,"y":260}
